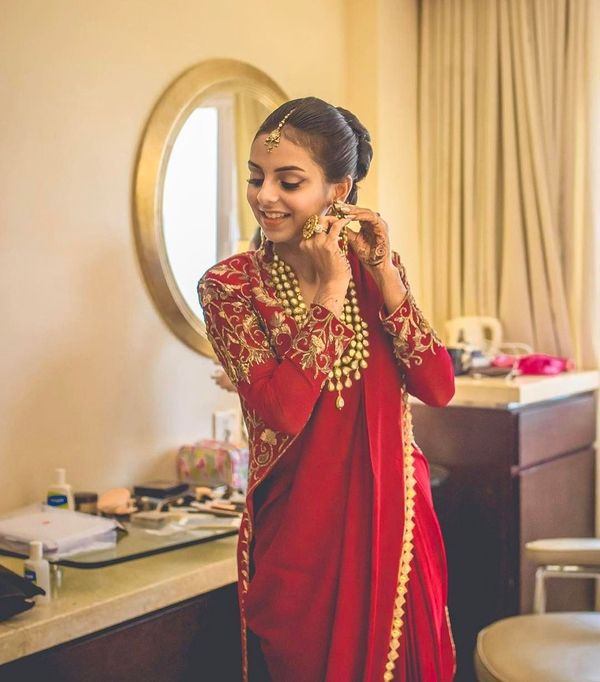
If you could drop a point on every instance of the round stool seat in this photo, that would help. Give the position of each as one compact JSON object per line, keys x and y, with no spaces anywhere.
{"x":549,"y":647}
{"x":564,"y":551}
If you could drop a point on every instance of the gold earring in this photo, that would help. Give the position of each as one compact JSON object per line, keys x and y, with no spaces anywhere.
{"x":337,"y":210}
{"x":344,"y":238}
{"x":344,"y":231}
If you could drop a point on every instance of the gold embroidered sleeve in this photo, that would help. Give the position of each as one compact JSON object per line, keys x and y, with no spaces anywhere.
{"x":233,"y":328}
{"x":412,"y":334}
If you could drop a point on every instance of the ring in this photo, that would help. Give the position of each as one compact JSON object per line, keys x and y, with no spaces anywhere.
{"x":310,"y":227}
{"x":318,"y":228}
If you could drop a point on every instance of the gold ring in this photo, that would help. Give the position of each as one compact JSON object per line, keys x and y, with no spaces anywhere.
{"x":310,"y":227}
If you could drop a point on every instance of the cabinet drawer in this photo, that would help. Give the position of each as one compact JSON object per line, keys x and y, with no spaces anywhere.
{"x":552,"y":429}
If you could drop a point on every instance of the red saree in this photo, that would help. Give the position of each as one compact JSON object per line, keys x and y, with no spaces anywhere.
{"x":341,"y":560}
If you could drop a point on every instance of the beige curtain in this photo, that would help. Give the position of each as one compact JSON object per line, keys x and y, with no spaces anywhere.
{"x":505,"y":220}
{"x":249,"y":113}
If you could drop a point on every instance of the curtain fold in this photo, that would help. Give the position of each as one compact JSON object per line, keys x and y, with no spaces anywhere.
{"x":504,"y":201}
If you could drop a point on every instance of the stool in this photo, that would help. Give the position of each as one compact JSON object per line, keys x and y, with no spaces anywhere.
{"x":546,"y":647}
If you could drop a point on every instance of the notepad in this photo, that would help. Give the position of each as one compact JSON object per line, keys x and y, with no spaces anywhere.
{"x":62,"y":532}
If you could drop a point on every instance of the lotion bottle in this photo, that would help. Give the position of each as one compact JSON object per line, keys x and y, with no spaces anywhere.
{"x":37,"y":569}
{"x":60,"y":494}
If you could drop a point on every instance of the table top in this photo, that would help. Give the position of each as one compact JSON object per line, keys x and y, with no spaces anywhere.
{"x":138,"y":543}
{"x":89,"y":601}
{"x":498,"y":392}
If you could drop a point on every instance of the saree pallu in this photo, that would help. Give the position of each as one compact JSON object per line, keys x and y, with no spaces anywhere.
{"x":341,"y":560}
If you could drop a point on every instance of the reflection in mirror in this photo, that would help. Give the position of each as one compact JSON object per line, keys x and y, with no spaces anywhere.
{"x":189,"y":198}
{"x":205,"y":214}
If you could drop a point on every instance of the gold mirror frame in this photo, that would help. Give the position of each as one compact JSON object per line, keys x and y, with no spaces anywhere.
{"x":166,"y":120}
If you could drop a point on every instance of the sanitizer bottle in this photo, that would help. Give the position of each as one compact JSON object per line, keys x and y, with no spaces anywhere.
{"x":37,"y":569}
{"x":60,"y":493}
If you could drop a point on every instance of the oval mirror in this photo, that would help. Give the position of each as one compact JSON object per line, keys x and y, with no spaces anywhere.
{"x":189,"y":207}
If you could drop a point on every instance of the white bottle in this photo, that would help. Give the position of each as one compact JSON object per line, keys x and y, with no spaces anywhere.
{"x":60,"y":494}
{"x":37,"y":569}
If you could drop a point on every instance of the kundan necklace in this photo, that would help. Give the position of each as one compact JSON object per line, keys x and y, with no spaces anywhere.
{"x":354,"y":358}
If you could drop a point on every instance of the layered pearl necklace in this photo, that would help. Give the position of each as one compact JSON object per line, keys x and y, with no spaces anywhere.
{"x":354,"y":358}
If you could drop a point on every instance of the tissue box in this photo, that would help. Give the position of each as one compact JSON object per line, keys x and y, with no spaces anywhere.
{"x":212,"y":463}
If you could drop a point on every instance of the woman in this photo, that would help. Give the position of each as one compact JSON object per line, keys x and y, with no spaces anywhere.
{"x":341,"y":562}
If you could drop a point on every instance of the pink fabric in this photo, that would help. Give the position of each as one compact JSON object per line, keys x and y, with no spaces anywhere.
{"x":535,"y":363}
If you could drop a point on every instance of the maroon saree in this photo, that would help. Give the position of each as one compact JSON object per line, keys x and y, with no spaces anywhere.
{"x":341,"y":560}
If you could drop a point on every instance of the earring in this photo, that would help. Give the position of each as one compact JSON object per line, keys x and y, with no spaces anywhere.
{"x":337,"y":211}
{"x":344,"y":238}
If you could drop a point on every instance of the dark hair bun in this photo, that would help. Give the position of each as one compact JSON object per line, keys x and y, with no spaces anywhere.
{"x":363,"y":143}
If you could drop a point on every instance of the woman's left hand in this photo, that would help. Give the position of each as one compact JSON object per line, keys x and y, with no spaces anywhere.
{"x":372,"y":243}
{"x":372,"y":246}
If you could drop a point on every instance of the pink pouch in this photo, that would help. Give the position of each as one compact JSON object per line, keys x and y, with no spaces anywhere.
{"x":537,"y":363}
{"x":544,"y":364}
{"x":211,"y":462}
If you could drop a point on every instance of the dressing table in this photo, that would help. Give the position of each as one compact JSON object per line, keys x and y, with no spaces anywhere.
{"x":521,"y":463}
{"x":169,"y":617}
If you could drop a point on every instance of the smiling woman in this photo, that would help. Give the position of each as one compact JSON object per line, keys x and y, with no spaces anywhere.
{"x":341,"y":564}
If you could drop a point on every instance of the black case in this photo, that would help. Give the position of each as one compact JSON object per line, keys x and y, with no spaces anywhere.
{"x":16,"y":593}
{"x":160,"y":489}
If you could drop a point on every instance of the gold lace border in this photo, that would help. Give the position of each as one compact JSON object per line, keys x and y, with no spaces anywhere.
{"x":407,"y":542}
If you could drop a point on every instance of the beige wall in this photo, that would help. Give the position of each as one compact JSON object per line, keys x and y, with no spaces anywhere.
{"x":594,"y":45}
{"x":382,"y":90}
{"x":90,"y":378}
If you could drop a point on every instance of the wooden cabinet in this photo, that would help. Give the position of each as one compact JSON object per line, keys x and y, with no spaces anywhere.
{"x":197,"y":641}
{"x":514,"y":475}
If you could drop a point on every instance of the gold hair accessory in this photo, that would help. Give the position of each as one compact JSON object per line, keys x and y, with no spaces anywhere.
{"x":310,"y":227}
{"x":274,"y":137}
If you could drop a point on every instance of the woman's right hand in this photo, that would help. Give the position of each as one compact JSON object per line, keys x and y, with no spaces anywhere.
{"x":331,"y":265}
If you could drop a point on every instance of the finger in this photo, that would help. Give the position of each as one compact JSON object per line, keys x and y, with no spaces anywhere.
{"x":352,"y":208}
{"x":336,"y":228}
{"x":361,"y":213}
{"x":366,"y":215}
{"x":327,"y":221}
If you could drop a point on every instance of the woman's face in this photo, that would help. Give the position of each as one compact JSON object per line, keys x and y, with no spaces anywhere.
{"x":286,"y":186}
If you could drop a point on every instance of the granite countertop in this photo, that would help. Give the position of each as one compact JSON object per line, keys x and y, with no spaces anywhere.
{"x":497,"y":392}
{"x":90,"y":600}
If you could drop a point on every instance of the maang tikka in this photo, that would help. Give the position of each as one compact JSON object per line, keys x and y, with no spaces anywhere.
{"x":274,"y":137}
